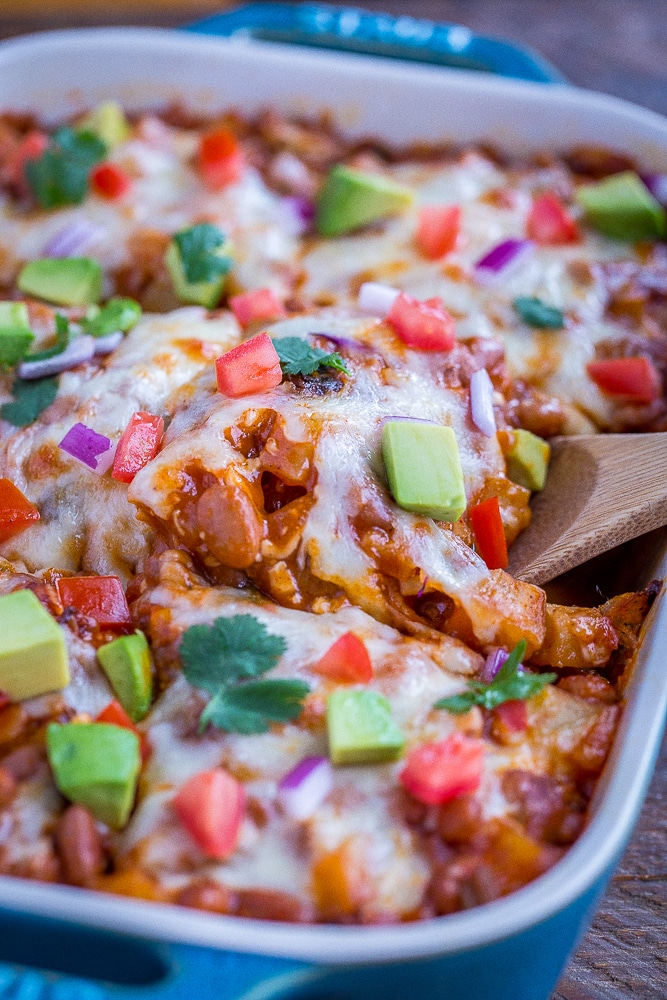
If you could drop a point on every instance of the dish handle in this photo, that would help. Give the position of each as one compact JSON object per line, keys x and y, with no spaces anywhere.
{"x":350,"y":29}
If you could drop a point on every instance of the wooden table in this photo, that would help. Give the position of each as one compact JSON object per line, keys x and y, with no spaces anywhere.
{"x":619,"y":48}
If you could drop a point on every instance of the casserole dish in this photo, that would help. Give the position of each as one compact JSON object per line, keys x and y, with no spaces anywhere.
{"x":476,"y":954}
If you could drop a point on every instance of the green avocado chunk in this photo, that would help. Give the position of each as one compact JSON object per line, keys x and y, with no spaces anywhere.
{"x":424,"y":468}
{"x":351,"y":199}
{"x":15,"y":333}
{"x":67,"y":281}
{"x":198,"y":293}
{"x":528,"y":459}
{"x":96,"y":765}
{"x":361,"y":728}
{"x":127,"y":663}
{"x":33,"y":651}
{"x":622,"y":207}
{"x":108,"y":122}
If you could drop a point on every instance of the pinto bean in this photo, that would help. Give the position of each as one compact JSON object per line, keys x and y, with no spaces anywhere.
{"x":206,"y":894}
{"x":23,"y":763}
{"x":79,"y":846}
{"x":272,"y":904}
{"x":459,"y":820}
{"x":229,"y":525}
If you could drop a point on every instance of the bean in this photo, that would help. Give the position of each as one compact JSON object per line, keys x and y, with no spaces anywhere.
{"x":79,"y":845}
{"x":229,"y":525}
{"x":23,"y":763}
{"x":7,"y":787}
{"x":272,"y":904}
{"x":13,"y":722}
{"x":208,"y":895}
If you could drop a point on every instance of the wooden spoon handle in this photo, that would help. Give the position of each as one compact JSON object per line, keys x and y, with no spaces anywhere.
{"x":602,"y":490}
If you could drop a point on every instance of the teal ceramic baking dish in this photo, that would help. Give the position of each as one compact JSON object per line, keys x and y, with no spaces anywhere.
{"x":70,"y":944}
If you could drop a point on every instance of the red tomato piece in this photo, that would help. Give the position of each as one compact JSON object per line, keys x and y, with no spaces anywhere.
{"x":437,"y":772}
{"x":139,"y":444}
{"x":16,"y":511}
{"x":253,"y":366}
{"x":115,"y":715}
{"x":513,"y":715}
{"x":489,"y":533}
{"x":31,"y":147}
{"x":549,"y":223}
{"x":221,"y":160}
{"x":258,"y":305}
{"x":426,"y":326}
{"x":110,"y":181}
{"x":210,"y":806}
{"x":99,"y":597}
{"x":635,"y":380}
{"x":346,"y":660}
{"x":438,"y":229}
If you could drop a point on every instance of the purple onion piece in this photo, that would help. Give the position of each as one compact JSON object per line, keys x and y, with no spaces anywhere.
{"x":305,"y":787}
{"x":481,"y":402}
{"x":80,"y":350}
{"x":501,"y":257}
{"x":657,"y":185}
{"x":74,"y":238}
{"x":86,"y":445}
{"x":376,"y":298}
{"x":408,"y":420}
{"x":299,"y":213}
{"x":345,"y":342}
{"x":422,"y":589}
{"x":108,"y":343}
{"x":494,"y":662}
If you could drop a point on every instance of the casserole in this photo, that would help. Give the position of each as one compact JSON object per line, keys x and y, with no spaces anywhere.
{"x":470,"y":118}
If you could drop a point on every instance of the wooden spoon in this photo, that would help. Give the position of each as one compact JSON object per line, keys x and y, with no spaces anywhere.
{"x":602,"y":490}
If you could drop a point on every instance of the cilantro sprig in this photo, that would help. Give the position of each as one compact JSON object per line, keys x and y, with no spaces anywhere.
{"x":537,"y":313}
{"x":297,"y":357}
{"x":199,"y":249}
{"x":30,"y":398}
{"x":60,"y":175}
{"x":510,"y":683}
{"x":225,"y":659}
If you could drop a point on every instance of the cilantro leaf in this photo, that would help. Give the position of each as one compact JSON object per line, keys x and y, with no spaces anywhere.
{"x":198,"y":248}
{"x":117,"y":314}
{"x":537,"y":313}
{"x":297,"y":357}
{"x":228,"y":650}
{"x":510,"y":683}
{"x":253,"y":706}
{"x":30,"y":398}
{"x":63,"y":338}
{"x":60,"y":175}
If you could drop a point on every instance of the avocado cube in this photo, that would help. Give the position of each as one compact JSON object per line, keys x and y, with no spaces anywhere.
{"x":66,"y":281}
{"x":15,"y":333}
{"x":108,"y":122}
{"x":361,"y":728}
{"x":127,"y":663}
{"x":527,"y":459}
{"x":96,"y":765}
{"x":424,"y":468}
{"x":622,"y":207}
{"x":351,"y":199}
{"x":33,"y":652}
{"x":198,"y":293}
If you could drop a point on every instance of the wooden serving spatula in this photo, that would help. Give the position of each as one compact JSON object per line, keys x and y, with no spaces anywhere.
{"x":602,"y":490}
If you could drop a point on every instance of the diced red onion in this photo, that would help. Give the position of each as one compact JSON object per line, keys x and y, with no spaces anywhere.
{"x":81,"y":349}
{"x":408,"y":420}
{"x":494,"y":662}
{"x":93,"y":449}
{"x":108,"y":343}
{"x":422,"y":589}
{"x":481,"y":402}
{"x":74,"y":239}
{"x":297,"y":214}
{"x":306,"y":787}
{"x":657,"y":185}
{"x":376,"y":298}
{"x":345,"y":342}
{"x":497,"y":260}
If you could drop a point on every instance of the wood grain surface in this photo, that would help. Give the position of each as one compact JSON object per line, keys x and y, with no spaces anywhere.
{"x":619,"y":47}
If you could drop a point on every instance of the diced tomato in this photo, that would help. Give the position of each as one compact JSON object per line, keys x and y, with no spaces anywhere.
{"x":16,"y":511}
{"x":253,"y":366}
{"x":426,"y":326}
{"x":210,"y":806}
{"x":31,"y":147}
{"x":346,"y":660}
{"x":115,"y":715}
{"x":110,"y":181}
{"x":139,"y":444}
{"x":489,"y":533}
{"x":258,"y":305}
{"x":635,"y":380}
{"x":221,"y":160}
{"x":513,"y":715}
{"x":437,"y":772}
{"x":99,"y":597}
{"x":438,"y":229}
{"x":549,"y":223}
